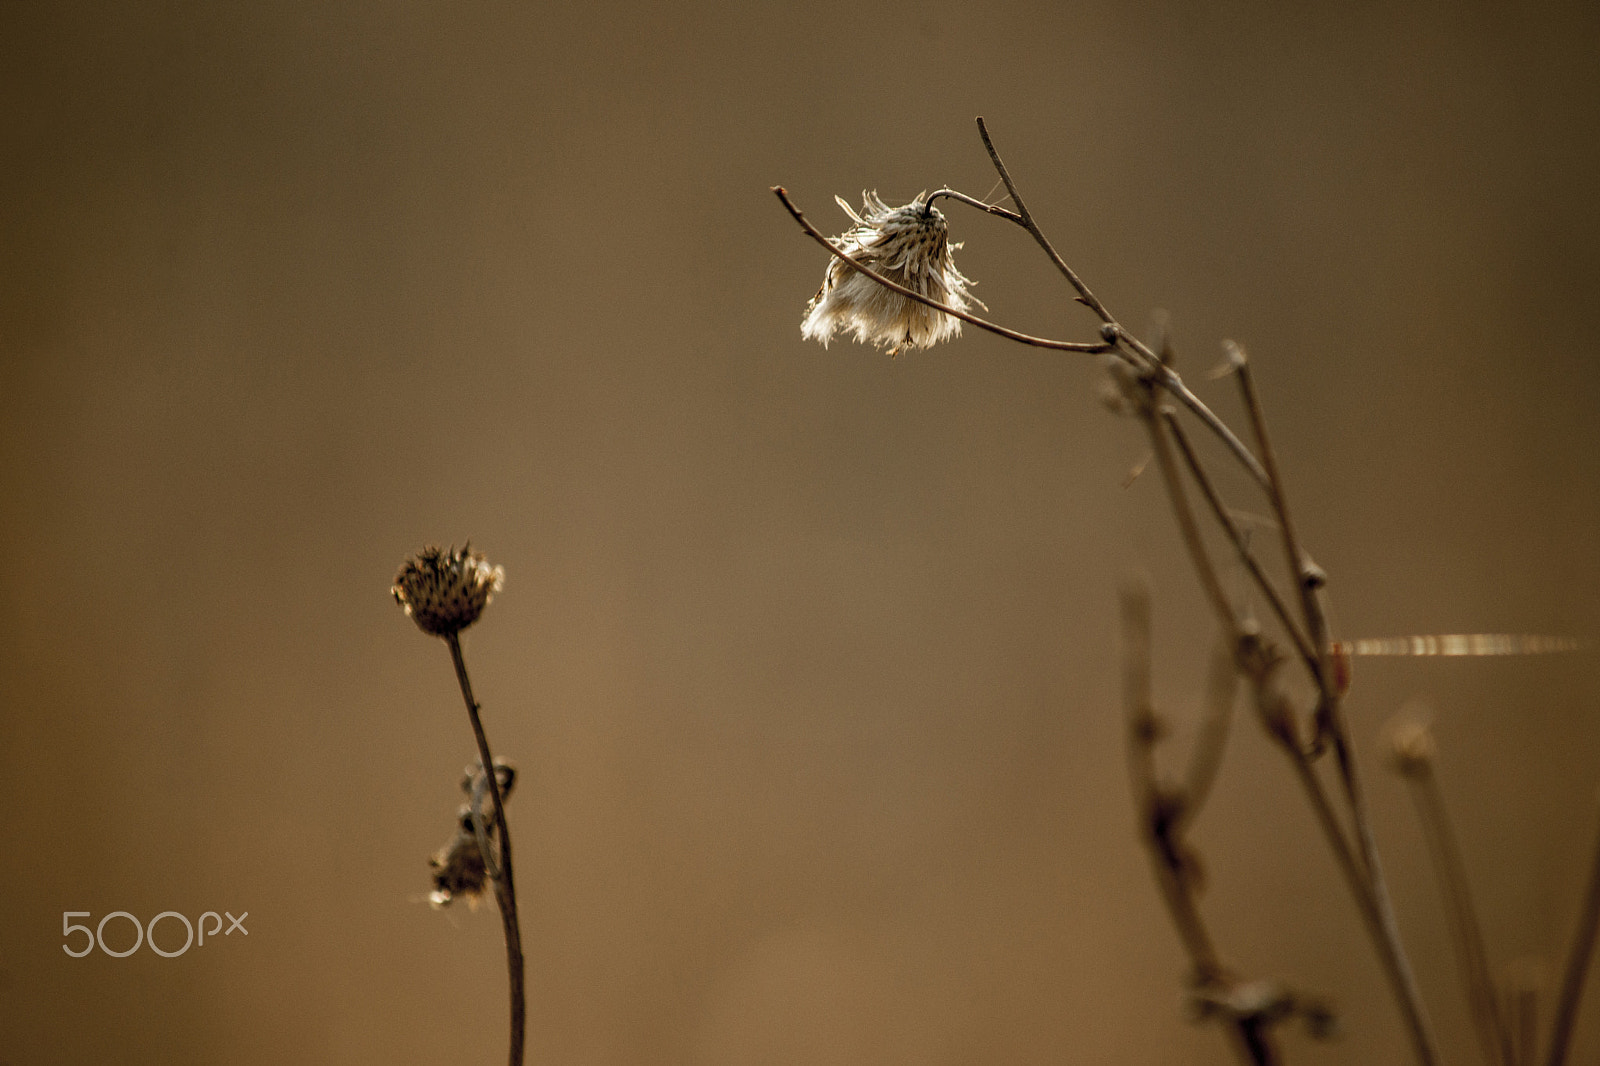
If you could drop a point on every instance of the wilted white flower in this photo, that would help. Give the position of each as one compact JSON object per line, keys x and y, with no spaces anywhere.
{"x":444,"y":592}
{"x":909,"y":245}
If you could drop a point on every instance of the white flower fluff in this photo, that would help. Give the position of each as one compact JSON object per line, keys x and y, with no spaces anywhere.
{"x":909,"y":245}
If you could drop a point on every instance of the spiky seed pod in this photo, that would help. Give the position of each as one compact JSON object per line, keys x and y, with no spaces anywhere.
{"x":909,"y":245}
{"x":444,"y":592}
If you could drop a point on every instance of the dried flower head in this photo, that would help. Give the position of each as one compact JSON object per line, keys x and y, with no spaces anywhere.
{"x":444,"y":592}
{"x":909,"y":245}
{"x":458,"y":867}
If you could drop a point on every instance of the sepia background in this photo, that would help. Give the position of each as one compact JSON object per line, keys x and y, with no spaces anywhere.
{"x":808,"y":657}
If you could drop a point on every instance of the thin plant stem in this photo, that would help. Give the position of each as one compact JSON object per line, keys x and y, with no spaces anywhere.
{"x":1025,"y":219}
{"x":1236,"y":536}
{"x":1577,"y":967}
{"x":504,"y":885}
{"x":1299,"y":573}
{"x":1330,"y":722}
{"x":973,"y":201}
{"x":1361,"y":868}
{"x":1174,"y":385}
{"x":1143,"y":729}
{"x":1149,"y":360}
{"x":1390,"y":953}
{"x":1161,"y":817}
{"x":1482,"y":1000}
{"x":1010,"y":334}
{"x":1186,"y":524}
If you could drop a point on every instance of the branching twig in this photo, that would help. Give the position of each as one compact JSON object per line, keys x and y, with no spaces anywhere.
{"x":1025,"y":217}
{"x":1192,"y":539}
{"x":1162,"y":814}
{"x":1241,"y":546}
{"x":973,"y":201}
{"x":1165,"y":810}
{"x":1330,"y":723}
{"x":1307,"y":579}
{"x":1148,"y":360}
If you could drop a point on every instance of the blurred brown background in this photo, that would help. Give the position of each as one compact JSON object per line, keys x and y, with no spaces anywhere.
{"x":808,"y":657}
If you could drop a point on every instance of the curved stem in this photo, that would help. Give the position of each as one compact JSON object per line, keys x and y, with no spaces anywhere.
{"x":504,"y":887}
{"x":1316,"y":625}
{"x":973,"y":201}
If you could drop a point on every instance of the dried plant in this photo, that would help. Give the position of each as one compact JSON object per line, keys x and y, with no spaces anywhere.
{"x":444,"y":592}
{"x":910,"y":244}
{"x":1315,"y":740}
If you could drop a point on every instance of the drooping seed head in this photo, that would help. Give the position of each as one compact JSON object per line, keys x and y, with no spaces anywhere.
{"x":909,"y":245}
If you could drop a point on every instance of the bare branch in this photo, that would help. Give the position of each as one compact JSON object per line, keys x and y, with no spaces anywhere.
{"x":1025,"y":219}
{"x":1330,"y":722}
{"x":1241,"y":546}
{"x":1305,"y":578}
{"x":1148,"y":359}
{"x":1181,"y":511}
